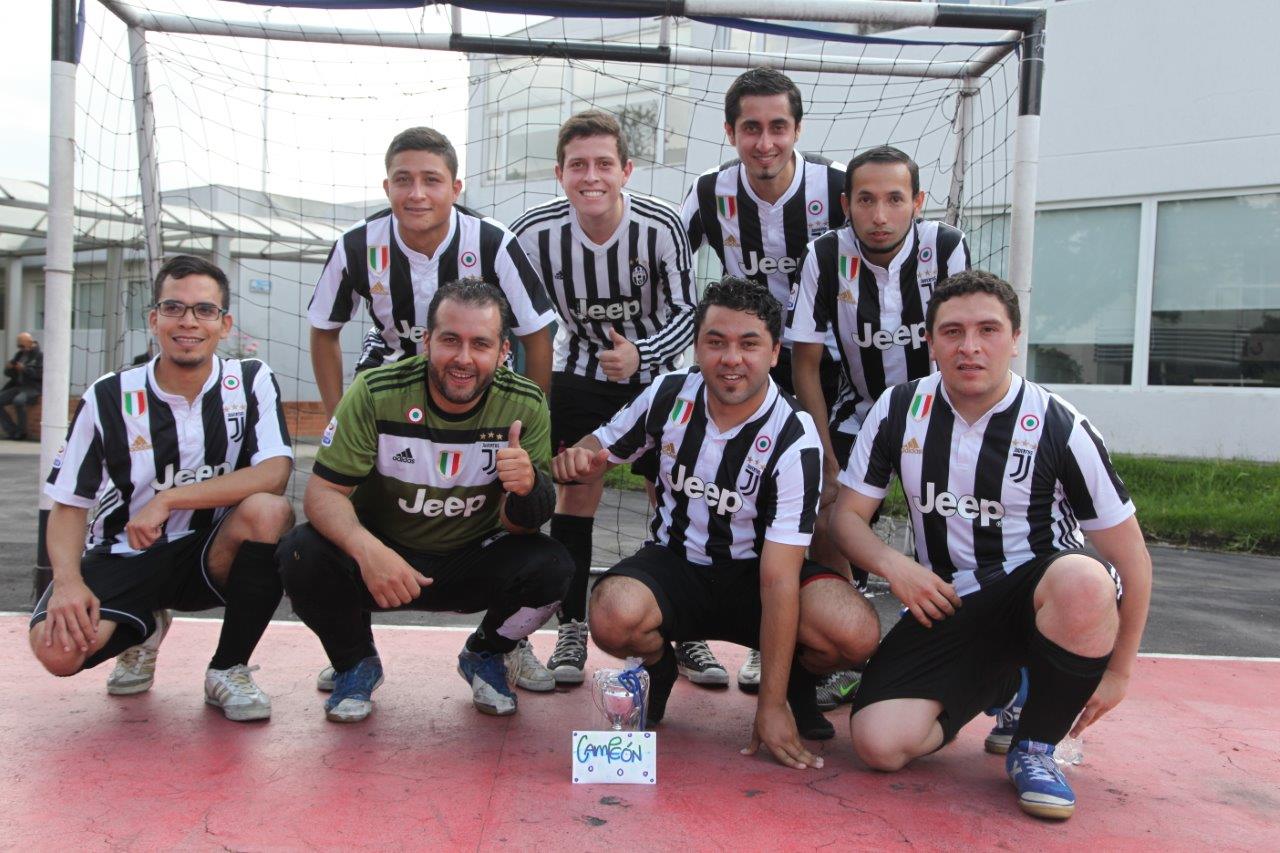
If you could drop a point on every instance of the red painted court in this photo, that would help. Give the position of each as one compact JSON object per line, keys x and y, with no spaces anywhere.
{"x":1190,"y":761}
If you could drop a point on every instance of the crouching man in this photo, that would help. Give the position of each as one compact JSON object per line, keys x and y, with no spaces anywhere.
{"x":427,"y":493}
{"x":185,"y":459}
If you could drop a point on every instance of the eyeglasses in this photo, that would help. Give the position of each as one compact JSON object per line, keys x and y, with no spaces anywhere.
{"x":176,"y":310}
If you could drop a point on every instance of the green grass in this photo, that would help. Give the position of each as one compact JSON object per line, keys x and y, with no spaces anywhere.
{"x":1223,"y":504}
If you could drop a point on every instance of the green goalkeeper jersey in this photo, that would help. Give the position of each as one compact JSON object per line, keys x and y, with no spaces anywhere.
{"x":425,"y":479}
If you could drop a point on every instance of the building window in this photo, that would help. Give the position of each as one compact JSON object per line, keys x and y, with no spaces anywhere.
{"x":1084,"y":289}
{"x":1215,"y":317}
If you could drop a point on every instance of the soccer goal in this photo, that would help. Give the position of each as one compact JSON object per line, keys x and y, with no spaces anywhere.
{"x":253,"y":134}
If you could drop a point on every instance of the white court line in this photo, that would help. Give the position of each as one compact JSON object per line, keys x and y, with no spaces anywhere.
{"x":464,"y":628}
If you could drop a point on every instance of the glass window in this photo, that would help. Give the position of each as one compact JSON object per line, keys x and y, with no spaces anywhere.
{"x":1084,"y":288}
{"x":1215,"y":312}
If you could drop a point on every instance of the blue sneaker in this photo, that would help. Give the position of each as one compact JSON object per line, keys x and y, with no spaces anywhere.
{"x":487,"y":675}
{"x":1007,"y":715}
{"x":352,"y":689}
{"x":1042,"y":789}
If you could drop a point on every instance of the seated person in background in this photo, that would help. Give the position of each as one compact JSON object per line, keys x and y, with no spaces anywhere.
{"x":26,"y":373}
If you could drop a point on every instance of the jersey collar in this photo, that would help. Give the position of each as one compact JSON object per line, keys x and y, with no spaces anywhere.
{"x":1005,"y":402}
{"x":215,"y":376}
{"x":904,"y":251}
{"x":580,"y":235}
{"x":796,"y":180}
{"x":418,"y":257}
{"x":770,"y":396}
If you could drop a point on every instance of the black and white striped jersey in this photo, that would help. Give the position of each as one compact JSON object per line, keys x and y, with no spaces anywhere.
{"x":130,"y":439}
{"x":985,"y":498}
{"x":757,"y":240}
{"x":876,"y":314}
{"x":639,"y":282}
{"x":371,"y":264}
{"x":720,"y":495}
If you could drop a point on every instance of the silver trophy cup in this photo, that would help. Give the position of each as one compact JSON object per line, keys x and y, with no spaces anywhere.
{"x":620,"y":696}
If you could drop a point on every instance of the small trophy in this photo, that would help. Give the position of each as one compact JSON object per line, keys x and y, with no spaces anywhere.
{"x":621,"y":696}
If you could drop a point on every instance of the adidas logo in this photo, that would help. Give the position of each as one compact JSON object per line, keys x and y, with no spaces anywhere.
{"x":139,"y":443}
{"x":669,"y":449}
{"x":911,"y":446}
{"x":377,"y":288}
{"x":559,"y":275}
{"x":731,"y":241}
{"x":846,"y":296}
{"x":405,"y":456}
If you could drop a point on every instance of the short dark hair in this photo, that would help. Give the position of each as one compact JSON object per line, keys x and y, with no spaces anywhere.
{"x":475,"y":292}
{"x":882,"y":154}
{"x":181,"y":266}
{"x":740,"y":294}
{"x":424,"y":139}
{"x":591,"y":123}
{"x":974,"y":281}
{"x":761,"y":81}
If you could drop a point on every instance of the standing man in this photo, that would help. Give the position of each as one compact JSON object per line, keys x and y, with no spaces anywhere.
{"x":740,"y":472}
{"x":427,"y":492}
{"x":394,"y":261}
{"x":760,"y":211}
{"x":25,"y":371}
{"x":1001,"y":476}
{"x":868,"y":283}
{"x":620,"y":273}
{"x":185,"y":459}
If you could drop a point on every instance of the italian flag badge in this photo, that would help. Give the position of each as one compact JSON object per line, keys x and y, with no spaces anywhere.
{"x":681,"y":411}
{"x":379,"y":259}
{"x":135,"y":403}
{"x":450,"y":463}
{"x":848,"y":267}
{"x":921,"y":405}
{"x":728,"y":206}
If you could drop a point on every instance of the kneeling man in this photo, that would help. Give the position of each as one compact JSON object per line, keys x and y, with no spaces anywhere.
{"x":740,"y":471}
{"x":427,"y":493}
{"x":185,"y":459}
{"x":1001,"y":476}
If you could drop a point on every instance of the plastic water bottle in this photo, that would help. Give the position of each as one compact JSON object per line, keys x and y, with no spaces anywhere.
{"x":1070,"y":750}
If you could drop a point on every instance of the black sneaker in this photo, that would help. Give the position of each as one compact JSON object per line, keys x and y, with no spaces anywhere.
{"x":698,"y":663}
{"x":569,"y":658}
{"x":801,"y":696}
{"x":662,"y":677}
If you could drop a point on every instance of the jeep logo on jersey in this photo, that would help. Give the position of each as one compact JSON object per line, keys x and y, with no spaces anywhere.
{"x":883,"y":339}
{"x":450,"y":507}
{"x":187,"y":476}
{"x":947,"y":504}
{"x":753,"y":262}
{"x":606,"y":309}
{"x":413,"y":333}
{"x":723,"y":501}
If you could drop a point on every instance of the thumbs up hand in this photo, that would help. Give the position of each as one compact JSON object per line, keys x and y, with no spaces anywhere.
{"x":515,"y":469}
{"x":622,"y":361}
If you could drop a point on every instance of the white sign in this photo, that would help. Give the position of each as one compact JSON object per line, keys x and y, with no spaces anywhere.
{"x":615,"y":757}
{"x":259,"y":285}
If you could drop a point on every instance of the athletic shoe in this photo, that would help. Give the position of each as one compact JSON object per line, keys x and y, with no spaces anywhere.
{"x":135,"y":669}
{"x":528,"y":673}
{"x":352,"y":698}
{"x":487,"y":674}
{"x":234,"y":692}
{"x":324,"y":681}
{"x":662,"y":677}
{"x":569,"y":658}
{"x":698,"y":663}
{"x":810,"y":722}
{"x":838,"y":688}
{"x":1007,"y":716}
{"x":749,"y":673}
{"x":1042,"y":789}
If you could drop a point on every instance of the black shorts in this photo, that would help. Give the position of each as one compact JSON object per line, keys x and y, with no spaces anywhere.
{"x":828,"y":374}
{"x":579,"y":405}
{"x":842,"y":443}
{"x":964,"y":660}
{"x":130,"y":587}
{"x":720,"y":602}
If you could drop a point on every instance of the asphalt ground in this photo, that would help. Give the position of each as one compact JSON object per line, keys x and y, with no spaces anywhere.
{"x":1203,"y":603}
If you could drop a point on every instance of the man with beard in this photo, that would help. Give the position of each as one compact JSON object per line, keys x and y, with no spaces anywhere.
{"x":427,"y":493}
{"x":740,"y":468}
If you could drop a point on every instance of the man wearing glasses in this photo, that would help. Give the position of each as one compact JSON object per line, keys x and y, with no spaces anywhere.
{"x":183,"y":461}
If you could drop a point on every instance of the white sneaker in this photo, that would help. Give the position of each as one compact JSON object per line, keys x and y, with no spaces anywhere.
{"x":135,"y":669}
{"x":528,"y":673}
{"x":234,"y":692}
{"x":324,"y":681}
{"x":749,"y":673}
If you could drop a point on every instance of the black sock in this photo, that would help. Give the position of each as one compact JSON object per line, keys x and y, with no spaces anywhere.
{"x":662,"y":677}
{"x":574,"y":533}
{"x":252,"y":592}
{"x":802,"y":687}
{"x":483,"y":642}
{"x":1059,"y":684}
{"x":120,"y":641}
